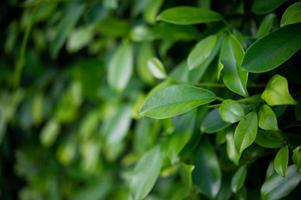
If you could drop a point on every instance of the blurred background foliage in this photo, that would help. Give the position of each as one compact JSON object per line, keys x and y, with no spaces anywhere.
{"x":70,"y":125}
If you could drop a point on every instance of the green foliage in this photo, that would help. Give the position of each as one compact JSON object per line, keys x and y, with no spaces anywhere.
{"x":150,"y":99}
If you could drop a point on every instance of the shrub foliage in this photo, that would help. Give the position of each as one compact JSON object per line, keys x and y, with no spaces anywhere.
{"x":150,"y":99}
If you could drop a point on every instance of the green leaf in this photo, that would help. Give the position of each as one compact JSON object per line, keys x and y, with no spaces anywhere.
{"x":79,"y":38}
{"x":65,"y":26}
{"x":267,"y":118}
{"x":281,"y":161}
{"x":231,"y":57}
{"x":277,"y":187}
{"x":50,"y":132}
{"x":201,"y":52}
{"x":156,"y":68}
{"x":174,"y":144}
{"x":269,"y":139}
{"x":238,"y":179}
{"x":206,"y":175}
{"x":297,"y":157}
{"x":261,"y":7}
{"x":117,"y":126}
{"x":245,"y":132}
{"x":186,"y":174}
{"x":231,"y":111}
{"x":144,"y":54}
{"x":184,"y":15}
{"x":120,"y":66}
{"x":277,"y":93}
{"x":273,"y":50}
{"x":151,"y":10}
{"x":175,"y":99}
{"x":146,"y":172}
{"x":266,"y":25}
{"x":213,"y":122}
{"x":232,"y":152}
{"x":292,"y":15}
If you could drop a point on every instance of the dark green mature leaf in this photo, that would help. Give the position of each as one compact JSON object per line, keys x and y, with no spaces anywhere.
{"x":184,"y":15}
{"x":281,"y":161}
{"x":297,"y":157}
{"x":120,"y":67}
{"x":213,"y":122}
{"x":269,"y":139}
{"x":65,"y":27}
{"x":277,"y":187}
{"x":271,"y":51}
{"x":174,"y":100}
{"x":276,"y":92}
{"x":231,"y":111}
{"x":207,"y":174}
{"x":231,"y":57}
{"x":267,"y":118}
{"x":146,"y":173}
{"x":245,"y":132}
{"x":239,"y":179}
{"x":261,"y":7}
{"x":201,"y":52}
{"x":266,"y":25}
{"x":292,"y":15}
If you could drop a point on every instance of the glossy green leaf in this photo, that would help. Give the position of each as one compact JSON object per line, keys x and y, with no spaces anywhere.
{"x":65,"y":26}
{"x":213,"y":122}
{"x":273,"y":50}
{"x":238,"y":179}
{"x":145,"y":174}
{"x":232,"y":152}
{"x":174,"y":100}
{"x":277,"y":93}
{"x":156,"y":68}
{"x":120,"y":66}
{"x":292,"y":15}
{"x":206,"y":175}
{"x":246,"y":131}
{"x":201,"y":52}
{"x":231,"y":57}
{"x":184,"y":15}
{"x":269,"y":139}
{"x":281,"y":161}
{"x":261,"y":7}
{"x":267,"y":118}
{"x":297,"y":157}
{"x":266,"y":25}
{"x":231,"y":111}
{"x":277,"y":187}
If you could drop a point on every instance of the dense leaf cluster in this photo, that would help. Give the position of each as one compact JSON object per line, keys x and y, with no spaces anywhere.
{"x":150,"y":99}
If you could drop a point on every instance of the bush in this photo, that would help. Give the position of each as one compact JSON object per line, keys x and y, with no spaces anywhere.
{"x":150,"y":99}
